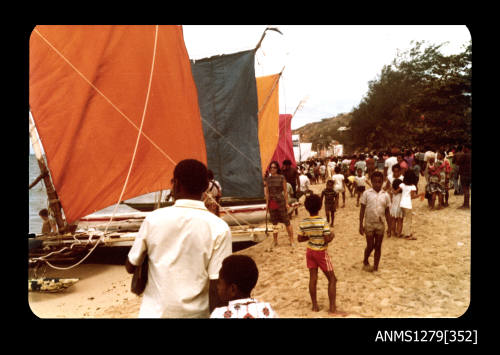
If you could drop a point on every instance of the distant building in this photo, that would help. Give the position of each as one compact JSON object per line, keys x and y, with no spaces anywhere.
{"x":301,"y":151}
{"x":343,"y":128}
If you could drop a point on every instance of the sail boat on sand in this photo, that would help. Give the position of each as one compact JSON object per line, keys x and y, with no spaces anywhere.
{"x":116,"y":107}
{"x":240,"y":139}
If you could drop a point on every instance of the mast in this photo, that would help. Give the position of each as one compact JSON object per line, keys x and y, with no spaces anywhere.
{"x":300,"y":151}
{"x":54,"y":203}
{"x":299,"y":106}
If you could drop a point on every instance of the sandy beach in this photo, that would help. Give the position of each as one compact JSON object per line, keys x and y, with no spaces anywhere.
{"x":424,"y":278}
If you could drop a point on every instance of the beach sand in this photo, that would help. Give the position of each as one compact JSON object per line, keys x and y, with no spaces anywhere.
{"x":424,"y":278}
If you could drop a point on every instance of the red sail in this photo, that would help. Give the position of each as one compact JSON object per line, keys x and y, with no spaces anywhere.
{"x":88,"y":89}
{"x":284,"y":150}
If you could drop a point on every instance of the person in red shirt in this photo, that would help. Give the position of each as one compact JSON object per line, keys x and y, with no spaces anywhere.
{"x":437,"y":180}
{"x":370,"y":165}
{"x":352,"y":168}
{"x":445,"y":176}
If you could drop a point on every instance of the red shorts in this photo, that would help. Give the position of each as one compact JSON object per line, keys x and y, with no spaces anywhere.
{"x":318,"y":258}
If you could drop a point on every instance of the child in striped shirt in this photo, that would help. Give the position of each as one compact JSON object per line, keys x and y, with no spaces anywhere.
{"x":316,"y":231}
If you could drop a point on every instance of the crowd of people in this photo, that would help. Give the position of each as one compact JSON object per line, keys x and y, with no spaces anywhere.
{"x":444,"y":169}
{"x":384,"y":185}
{"x":192,"y":272}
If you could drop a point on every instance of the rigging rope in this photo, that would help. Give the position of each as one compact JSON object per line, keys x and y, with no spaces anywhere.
{"x":272,"y":90}
{"x":231,"y":144}
{"x":44,"y":258}
{"x":140,"y":133}
{"x":133,"y":156}
{"x":140,"y":129}
{"x":104,"y":96}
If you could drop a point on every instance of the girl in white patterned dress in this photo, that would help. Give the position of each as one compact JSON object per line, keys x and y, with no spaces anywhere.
{"x":395,"y":211}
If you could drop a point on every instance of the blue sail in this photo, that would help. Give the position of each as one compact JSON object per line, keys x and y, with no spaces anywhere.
{"x":227,"y":97}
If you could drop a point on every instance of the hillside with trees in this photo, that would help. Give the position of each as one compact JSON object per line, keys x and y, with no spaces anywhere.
{"x":422,"y":98}
{"x":321,"y":134}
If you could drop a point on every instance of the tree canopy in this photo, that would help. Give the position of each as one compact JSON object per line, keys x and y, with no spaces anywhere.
{"x":422,"y":98}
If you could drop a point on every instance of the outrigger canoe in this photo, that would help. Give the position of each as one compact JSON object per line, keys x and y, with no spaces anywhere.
{"x":50,"y":284}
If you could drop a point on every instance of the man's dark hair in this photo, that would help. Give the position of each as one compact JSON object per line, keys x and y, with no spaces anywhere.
{"x":192,"y":175}
{"x":287,"y":162}
{"x":396,"y":166}
{"x":43,"y":213}
{"x":377,"y":174}
{"x":312,"y":204}
{"x":240,"y":270}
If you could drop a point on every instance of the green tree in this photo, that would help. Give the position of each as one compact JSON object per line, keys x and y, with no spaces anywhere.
{"x":423,"y":97}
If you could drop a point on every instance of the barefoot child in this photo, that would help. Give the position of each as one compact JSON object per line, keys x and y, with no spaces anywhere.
{"x":376,"y":203}
{"x":434,"y":188}
{"x":330,"y":197}
{"x":48,"y":226}
{"x":316,"y":231}
{"x":396,"y":174}
{"x":408,"y":193}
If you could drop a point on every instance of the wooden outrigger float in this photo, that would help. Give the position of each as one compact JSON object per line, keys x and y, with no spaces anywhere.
{"x":50,"y":284}
{"x":68,"y":248}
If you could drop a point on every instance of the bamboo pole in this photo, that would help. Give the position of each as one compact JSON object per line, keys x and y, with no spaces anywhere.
{"x":36,"y":181}
{"x":54,"y":203}
{"x":159,"y":199}
{"x":264,"y":34}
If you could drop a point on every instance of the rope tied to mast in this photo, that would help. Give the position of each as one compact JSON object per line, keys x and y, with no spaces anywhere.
{"x":140,"y":133}
{"x":133,"y":156}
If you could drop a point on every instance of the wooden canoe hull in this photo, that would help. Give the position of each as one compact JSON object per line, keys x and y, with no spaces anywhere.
{"x":233,"y":215}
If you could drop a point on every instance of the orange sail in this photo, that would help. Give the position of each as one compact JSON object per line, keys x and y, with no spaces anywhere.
{"x":268,"y":102}
{"x":89,"y":86}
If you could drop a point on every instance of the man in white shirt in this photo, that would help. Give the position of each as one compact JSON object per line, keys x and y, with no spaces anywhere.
{"x":322,"y":172}
{"x":346,"y":162}
{"x":185,"y":245}
{"x":389,"y":162}
{"x":339,"y":185}
{"x":361,"y":164}
{"x":304,"y":184}
{"x":429,"y":154}
{"x":331,"y":168}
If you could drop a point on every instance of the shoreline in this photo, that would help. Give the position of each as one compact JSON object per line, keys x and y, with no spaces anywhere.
{"x":424,"y":278}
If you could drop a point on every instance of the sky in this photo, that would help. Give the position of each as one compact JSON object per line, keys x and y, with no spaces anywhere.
{"x":329,"y":66}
